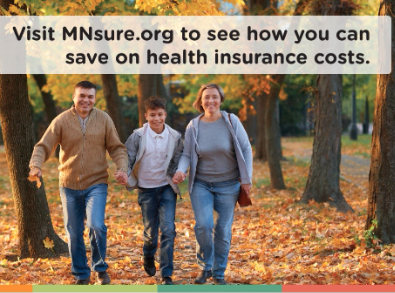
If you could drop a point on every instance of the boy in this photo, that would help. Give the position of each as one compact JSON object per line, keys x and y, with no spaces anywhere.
{"x":154,"y":151}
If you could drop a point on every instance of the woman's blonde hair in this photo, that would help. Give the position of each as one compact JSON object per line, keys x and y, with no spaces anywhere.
{"x":198,"y":102}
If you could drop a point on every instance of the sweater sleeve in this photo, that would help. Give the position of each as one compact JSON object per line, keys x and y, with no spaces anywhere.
{"x":132,"y":146}
{"x":245,"y":145}
{"x":176,"y":157}
{"x":185,"y":159}
{"x":47,"y":145}
{"x":115,"y":147}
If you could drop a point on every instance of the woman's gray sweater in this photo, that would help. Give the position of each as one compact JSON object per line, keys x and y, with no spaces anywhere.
{"x":242,"y":146}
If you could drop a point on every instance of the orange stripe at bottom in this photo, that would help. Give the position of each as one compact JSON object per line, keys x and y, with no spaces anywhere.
{"x":338,"y":288}
{"x":16,"y":288}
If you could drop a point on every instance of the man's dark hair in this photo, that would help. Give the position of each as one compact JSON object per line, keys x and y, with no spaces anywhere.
{"x":85,"y":85}
{"x":154,"y":102}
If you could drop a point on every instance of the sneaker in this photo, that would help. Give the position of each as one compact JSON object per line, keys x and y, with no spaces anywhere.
{"x":149,"y":266}
{"x":167,"y":281}
{"x":83,"y":281}
{"x":202,"y":278}
{"x":103,"y":278}
{"x":219,"y":281}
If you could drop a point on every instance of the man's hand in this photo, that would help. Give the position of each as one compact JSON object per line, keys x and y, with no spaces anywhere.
{"x":34,"y":175}
{"x":179,"y":177}
{"x":121,"y":177}
{"x":35,"y":172}
{"x":246,"y":188}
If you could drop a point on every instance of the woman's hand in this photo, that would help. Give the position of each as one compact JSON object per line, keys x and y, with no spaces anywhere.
{"x":246,"y":188}
{"x":179,"y":177}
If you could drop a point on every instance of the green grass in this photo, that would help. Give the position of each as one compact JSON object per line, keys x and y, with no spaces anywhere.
{"x":262,"y":182}
{"x":363,"y":139}
{"x":299,"y":138}
{"x":298,"y":161}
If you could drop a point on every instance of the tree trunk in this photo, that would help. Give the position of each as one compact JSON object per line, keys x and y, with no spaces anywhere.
{"x":34,"y":221}
{"x":260,"y":146}
{"x":114,"y":105}
{"x":381,"y":202}
{"x":323,"y":181}
{"x":272,"y":134}
{"x":50,"y":108}
{"x":49,"y":103}
{"x":148,"y":86}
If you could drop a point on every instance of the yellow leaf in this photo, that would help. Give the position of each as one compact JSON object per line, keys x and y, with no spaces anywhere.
{"x":32,"y":178}
{"x":48,"y":243}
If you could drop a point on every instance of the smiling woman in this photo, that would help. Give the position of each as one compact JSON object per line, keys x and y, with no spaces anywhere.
{"x":218,"y":152}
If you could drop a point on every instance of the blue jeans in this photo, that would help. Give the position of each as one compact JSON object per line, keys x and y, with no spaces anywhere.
{"x":209,"y":198}
{"x":77,"y":204}
{"x":158,"y":207}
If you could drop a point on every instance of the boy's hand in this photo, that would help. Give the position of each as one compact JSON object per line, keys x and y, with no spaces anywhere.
{"x":121,"y":177}
{"x":179,"y":177}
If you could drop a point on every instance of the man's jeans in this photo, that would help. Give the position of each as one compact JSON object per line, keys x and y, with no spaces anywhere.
{"x":77,"y":204}
{"x":158,"y":207}
{"x":207,"y":198}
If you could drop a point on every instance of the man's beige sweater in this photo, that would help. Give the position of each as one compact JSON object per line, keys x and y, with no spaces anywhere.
{"x":82,"y":156}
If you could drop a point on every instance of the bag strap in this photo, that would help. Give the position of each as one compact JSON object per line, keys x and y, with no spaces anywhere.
{"x":230,"y":120}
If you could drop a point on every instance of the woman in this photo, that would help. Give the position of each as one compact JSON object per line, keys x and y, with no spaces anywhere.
{"x":218,"y":151}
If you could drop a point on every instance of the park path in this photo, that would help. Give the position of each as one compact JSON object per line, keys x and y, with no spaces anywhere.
{"x":354,"y":169}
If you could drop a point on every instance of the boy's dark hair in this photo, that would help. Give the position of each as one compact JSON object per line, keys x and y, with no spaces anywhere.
{"x":154,"y":102}
{"x":85,"y":85}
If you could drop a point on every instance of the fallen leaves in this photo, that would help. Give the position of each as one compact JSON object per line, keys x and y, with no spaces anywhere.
{"x":48,"y":243}
{"x":275,"y":241}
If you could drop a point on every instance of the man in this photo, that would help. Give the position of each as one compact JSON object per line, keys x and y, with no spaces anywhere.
{"x":84,"y":134}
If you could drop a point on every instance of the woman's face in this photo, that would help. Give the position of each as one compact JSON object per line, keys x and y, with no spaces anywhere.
{"x":211,"y":100}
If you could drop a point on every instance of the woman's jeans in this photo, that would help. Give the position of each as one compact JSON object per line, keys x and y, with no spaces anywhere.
{"x":158,"y":207}
{"x":207,"y":198}
{"x":78,"y":204}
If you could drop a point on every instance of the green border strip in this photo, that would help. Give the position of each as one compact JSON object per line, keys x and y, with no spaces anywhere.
{"x":219,"y":288}
{"x":95,"y":288}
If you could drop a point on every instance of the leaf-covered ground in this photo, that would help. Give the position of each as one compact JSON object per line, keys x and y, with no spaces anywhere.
{"x":276,"y":241}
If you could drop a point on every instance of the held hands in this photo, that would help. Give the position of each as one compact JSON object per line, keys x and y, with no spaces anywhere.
{"x":246,"y":188}
{"x":121,"y":177}
{"x":179,"y":177}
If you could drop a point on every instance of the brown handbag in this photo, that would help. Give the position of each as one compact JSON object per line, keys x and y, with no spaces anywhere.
{"x":244,"y":199}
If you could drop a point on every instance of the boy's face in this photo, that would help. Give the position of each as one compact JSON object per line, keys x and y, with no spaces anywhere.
{"x":156,"y":119}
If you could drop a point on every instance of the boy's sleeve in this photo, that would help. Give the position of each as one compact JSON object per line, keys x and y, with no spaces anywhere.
{"x":176,"y":157}
{"x":132,"y":146}
{"x":185,"y":159}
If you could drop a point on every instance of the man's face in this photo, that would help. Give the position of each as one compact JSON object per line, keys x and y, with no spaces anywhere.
{"x":84,"y":99}
{"x":156,"y":119}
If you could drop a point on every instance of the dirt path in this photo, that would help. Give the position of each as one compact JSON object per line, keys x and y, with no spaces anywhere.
{"x":353,"y":168}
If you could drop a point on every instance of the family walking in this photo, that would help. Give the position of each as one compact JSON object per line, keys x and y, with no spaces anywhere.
{"x":154,"y":159}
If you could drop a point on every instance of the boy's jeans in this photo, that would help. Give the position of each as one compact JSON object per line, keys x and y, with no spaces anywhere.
{"x":77,"y":204}
{"x":158,"y":207}
{"x":221,"y":197}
